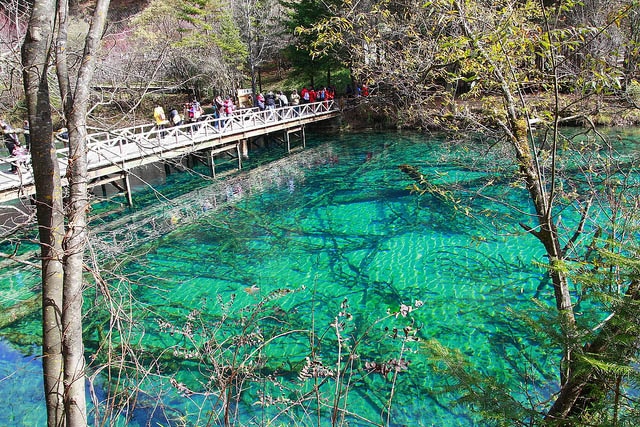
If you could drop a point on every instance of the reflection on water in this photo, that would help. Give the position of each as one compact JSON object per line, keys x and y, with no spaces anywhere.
{"x":311,"y":286}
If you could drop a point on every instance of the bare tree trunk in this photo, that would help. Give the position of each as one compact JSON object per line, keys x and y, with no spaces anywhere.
{"x":518,"y":130}
{"x":62,"y":69}
{"x":62,"y":252}
{"x":541,"y":195}
{"x":581,"y":386}
{"x":76,"y":107}
{"x":36,"y":53}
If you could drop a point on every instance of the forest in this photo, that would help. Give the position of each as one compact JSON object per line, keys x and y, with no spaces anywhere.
{"x":516,"y":72}
{"x":413,"y":55}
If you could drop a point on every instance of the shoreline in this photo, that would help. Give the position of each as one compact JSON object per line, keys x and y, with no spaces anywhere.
{"x":438,"y":115}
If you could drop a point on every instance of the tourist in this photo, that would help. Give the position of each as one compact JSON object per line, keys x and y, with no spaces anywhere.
{"x":161,"y":120}
{"x":22,"y":155}
{"x":195,"y":110}
{"x":216,"y":114}
{"x":175,"y":119}
{"x":312,"y":95}
{"x":321,"y":96}
{"x":62,"y":135}
{"x":304,"y":94}
{"x":228,"y":107}
{"x":219,"y":102}
{"x":27,"y":136}
{"x":295,"y":98}
{"x":270,"y":100}
{"x":11,"y":142}
{"x":295,"y":101}
{"x":271,"y":105}
{"x":195,"y":113}
{"x":331,"y":93}
{"x":282,"y":99}
{"x":261,"y":102}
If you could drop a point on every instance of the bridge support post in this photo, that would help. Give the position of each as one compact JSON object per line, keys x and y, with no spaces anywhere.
{"x":212,"y":163}
{"x":287,"y":137}
{"x":297,"y":133}
{"x":304,"y":139}
{"x":244,"y":145}
{"x":127,"y":186}
{"x":239,"y":154}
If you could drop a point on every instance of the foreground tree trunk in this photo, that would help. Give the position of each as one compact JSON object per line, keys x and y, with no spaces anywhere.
{"x":36,"y":54}
{"x":517,"y":129}
{"x":62,"y":250}
{"x":76,"y":106}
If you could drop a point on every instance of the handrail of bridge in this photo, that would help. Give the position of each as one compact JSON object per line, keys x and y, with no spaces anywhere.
{"x":111,"y":145}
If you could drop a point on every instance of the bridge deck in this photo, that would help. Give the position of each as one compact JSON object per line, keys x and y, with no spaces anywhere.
{"x":120,"y":150}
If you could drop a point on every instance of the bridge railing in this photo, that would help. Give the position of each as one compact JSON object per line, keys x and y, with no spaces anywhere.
{"x":119,"y":145}
{"x":150,"y":139}
{"x":240,"y":119}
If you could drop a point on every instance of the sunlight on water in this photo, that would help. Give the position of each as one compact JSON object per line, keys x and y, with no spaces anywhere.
{"x":349,"y":231}
{"x":337,"y":241}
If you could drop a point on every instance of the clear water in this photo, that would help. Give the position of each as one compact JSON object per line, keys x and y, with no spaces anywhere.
{"x":310,"y":259}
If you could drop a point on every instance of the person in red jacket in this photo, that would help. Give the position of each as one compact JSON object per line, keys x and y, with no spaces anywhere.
{"x":304,"y":95}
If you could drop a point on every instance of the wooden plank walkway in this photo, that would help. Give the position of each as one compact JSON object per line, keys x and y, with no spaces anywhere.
{"x":115,"y":152}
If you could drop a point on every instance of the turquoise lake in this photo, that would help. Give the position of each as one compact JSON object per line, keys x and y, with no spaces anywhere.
{"x":305,"y":289}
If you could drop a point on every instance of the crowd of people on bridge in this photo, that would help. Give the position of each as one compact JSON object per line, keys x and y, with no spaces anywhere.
{"x":19,"y":150}
{"x":192,"y":112}
{"x":225,"y":106}
{"x":306,"y":96}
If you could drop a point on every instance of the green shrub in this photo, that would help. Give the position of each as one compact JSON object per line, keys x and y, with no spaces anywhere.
{"x":633,"y":92}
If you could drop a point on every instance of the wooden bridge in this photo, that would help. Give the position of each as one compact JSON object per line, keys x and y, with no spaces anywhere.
{"x":112,"y":154}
